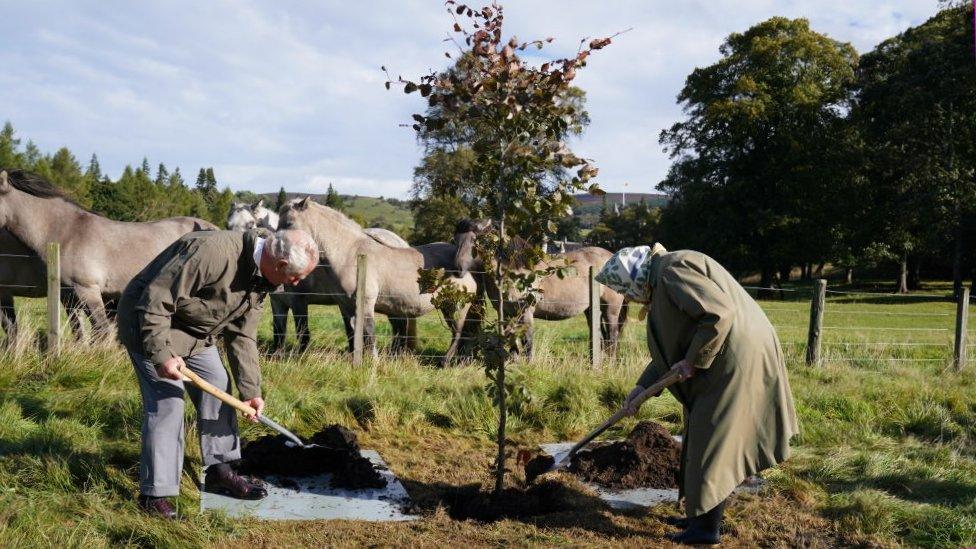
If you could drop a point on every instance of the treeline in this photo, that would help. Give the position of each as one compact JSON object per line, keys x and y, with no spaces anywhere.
{"x":796,"y":151}
{"x":140,"y":194}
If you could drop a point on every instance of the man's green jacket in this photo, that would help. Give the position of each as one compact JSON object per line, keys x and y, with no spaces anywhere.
{"x":206,"y":284}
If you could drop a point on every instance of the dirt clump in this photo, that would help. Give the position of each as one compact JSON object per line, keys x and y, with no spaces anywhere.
{"x":545,"y":498}
{"x":648,"y":458}
{"x":337,"y":454}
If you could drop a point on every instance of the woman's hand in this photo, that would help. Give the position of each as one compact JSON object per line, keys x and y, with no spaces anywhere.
{"x":685,"y":368}
{"x":630,"y":407}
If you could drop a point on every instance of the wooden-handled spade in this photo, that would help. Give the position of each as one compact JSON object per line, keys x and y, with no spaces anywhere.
{"x":244,"y":408}
{"x":667,"y":380}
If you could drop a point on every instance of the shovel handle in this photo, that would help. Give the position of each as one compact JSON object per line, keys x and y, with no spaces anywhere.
{"x":667,"y":380}
{"x":207,"y":387}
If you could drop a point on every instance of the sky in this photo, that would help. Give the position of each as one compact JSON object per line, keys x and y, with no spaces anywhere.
{"x":291,"y":94}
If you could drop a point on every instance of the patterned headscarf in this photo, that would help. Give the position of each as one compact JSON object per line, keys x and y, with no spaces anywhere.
{"x":629,"y":271}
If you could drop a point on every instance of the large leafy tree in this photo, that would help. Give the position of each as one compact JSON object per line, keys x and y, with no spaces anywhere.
{"x":916,"y":111}
{"x":754,"y":169}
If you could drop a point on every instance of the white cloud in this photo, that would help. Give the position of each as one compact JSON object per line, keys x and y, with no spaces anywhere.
{"x":290,"y":94}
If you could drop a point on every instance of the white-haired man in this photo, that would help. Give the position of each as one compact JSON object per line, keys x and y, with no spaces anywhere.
{"x":206,"y":284}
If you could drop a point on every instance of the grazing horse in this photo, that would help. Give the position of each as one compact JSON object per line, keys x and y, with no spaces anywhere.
{"x":99,"y":256}
{"x":392,"y":285}
{"x":312,"y":289}
{"x":561,"y":298}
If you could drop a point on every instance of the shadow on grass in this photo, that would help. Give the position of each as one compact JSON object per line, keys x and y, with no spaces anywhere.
{"x":948,"y":493}
{"x":87,"y":470}
{"x":548,"y":503}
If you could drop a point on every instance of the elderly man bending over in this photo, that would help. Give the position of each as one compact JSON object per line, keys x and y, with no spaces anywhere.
{"x":206,"y":284}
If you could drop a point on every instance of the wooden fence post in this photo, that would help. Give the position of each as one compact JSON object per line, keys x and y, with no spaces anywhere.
{"x":359,"y":321}
{"x":53,"y":298}
{"x":596,"y":353}
{"x":962,"y":320}
{"x":816,"y":321}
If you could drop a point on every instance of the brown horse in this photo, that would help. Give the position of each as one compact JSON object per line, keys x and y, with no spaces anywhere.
{"x":98,"y":255}
{"x":561,"y":298}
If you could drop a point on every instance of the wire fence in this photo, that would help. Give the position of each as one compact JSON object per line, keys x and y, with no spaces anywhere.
{"x":860,"y":326}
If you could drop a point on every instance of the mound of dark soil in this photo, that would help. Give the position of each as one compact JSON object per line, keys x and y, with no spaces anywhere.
{"x":647,"y":458}
{"x":547,"y":497}
{"x":337,"y":454}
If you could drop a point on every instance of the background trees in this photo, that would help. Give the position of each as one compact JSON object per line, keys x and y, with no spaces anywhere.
{"x":137,"y":195}
{"x":754,"y":166}
{"x":795,"y":152}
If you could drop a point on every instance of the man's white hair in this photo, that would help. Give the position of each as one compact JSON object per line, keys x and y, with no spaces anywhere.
{"x":296,"y":247}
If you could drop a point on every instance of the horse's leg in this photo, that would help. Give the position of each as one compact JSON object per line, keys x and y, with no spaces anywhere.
{"x":8,"y":318}
{"x":528,"y":320}
{"x":457,"y":332}
{"x":348,"y":313}
{"x":369,"y":330}
{"x":609,"y":327}
{"x":279,"y":320}
{"x":411,"y":334}
{"x":72,"y":306}
{"x":91,"y":297}
{"x":399,"y":326}
{"x":299,"y":311}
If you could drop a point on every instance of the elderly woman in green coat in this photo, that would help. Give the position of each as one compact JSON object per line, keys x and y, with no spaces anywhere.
{"x":738,"y":409}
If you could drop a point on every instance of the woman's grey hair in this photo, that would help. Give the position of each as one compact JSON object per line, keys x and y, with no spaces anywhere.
{"x":296,"y":247}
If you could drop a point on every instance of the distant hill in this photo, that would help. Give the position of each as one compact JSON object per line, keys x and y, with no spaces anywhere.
{"x":372,"y":211}
{"x":395,"y":214}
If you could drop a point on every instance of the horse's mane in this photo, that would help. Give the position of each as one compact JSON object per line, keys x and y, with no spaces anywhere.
{"x":33,"y":184}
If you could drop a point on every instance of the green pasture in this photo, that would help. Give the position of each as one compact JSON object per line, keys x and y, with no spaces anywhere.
{"x":887,"y":455}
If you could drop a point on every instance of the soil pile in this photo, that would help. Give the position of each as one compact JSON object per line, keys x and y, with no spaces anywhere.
{"x":337,"y":454}
{"x":547,"y":497}
{"x":647,"y":458}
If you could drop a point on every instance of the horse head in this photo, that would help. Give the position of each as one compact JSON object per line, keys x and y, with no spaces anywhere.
{"x":294,"y":214}
{"x":264,"y":216}
{"x":240,"y":217}
{"x":466,"y":232}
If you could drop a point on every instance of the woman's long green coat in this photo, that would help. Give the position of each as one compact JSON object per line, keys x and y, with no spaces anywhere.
{"x":739,"y":414}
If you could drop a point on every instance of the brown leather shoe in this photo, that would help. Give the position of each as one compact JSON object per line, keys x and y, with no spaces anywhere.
{"x":157,"y":507}
{"x":226,"y":481}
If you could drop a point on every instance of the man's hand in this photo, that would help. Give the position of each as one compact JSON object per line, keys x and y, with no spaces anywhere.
{"x":630,"y":407}
{"x":171,"y":368}
{"x":685,"y":368}
{"x":258,"y":404}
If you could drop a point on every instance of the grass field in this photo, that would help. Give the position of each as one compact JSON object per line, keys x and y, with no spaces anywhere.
{"x":887,"y":454}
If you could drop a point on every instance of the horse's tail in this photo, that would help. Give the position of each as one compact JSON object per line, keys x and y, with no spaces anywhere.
{"x":622,"y":318}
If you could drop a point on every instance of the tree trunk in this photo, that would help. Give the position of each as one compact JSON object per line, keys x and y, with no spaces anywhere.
{"x":784,"y":273}
{"x":849,"y":275}
{"x":903,"y":275}
{"x":807,"y":271}
{"x":819,"y":271}
{"x":500,"y":367}
{"x":914,"y":274}
{"x":765,"y":282}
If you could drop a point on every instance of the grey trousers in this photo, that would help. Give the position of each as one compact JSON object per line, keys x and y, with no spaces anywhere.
{"x":162,"y":422}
